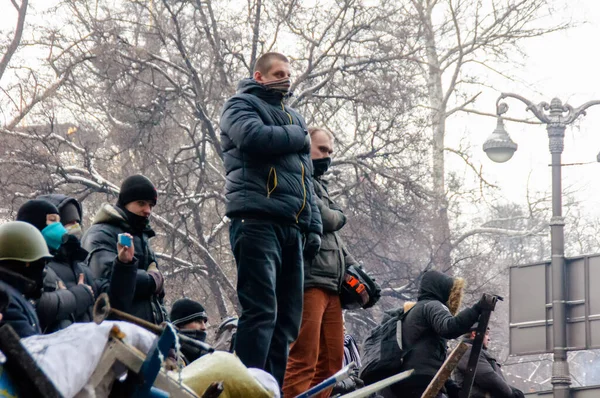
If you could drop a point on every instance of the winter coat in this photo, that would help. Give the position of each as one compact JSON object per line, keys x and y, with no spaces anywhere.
{"x":431,"y":321}
{"x":266,"y":153}
{"x":130,"y":288}
{"x":489,"y":381}
{"x":19,"y":314}
{"x":328,"y":267}
{"x":58,"y":308}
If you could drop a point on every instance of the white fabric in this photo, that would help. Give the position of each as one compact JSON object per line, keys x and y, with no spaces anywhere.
{"x":70,"y":356}
{"x":267,"y":381}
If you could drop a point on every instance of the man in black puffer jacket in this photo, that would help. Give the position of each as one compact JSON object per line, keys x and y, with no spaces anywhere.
{"x":269,"y":198}
{"x":429,"y":323}
{"x":129,"y":275}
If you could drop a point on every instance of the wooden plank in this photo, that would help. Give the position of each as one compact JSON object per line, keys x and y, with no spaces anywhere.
{"x":380,"y":385}
{"x":445,"y":371}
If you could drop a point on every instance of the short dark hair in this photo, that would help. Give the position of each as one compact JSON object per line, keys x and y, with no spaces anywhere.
{"x":263,"y":64}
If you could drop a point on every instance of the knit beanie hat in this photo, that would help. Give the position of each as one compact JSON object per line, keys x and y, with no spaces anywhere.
{"x":137,"y":187}
{"x":185,"y":311}
{"x":34,"y":212}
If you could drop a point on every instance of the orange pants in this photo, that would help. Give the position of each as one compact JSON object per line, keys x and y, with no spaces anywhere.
{"x":318,"y":352}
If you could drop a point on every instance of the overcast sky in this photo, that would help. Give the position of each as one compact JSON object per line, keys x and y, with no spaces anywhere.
{"x":564,"y":65}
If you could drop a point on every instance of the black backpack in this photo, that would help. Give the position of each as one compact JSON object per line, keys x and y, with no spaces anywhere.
{"x":382,"y":349}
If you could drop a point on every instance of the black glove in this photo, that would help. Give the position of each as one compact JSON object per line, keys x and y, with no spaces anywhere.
{"x":517,"y":393}
{"x":375,"y":295}
{"x":306,"y":147}
{"x":311,"y":246}
{"x":452,"y":389}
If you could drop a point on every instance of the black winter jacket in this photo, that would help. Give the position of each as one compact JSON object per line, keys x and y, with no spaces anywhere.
{"x":489,"y":381}
{"x":19,"y":314}
{"x":58,"y":308}
{"x":129,"y":286}
{"x":328,"y":267}
{"x":431,"y":322}
{"x":266,"y":153}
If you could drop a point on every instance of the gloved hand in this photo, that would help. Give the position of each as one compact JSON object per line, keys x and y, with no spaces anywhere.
{"x":517,"y":393}
{"x":452,"y":389}
{"x":375,"y":295}
{"x":158,"y":278}
{"x":480,"y":305}
{"x":306,"y":147}
{"x":312,"y":244}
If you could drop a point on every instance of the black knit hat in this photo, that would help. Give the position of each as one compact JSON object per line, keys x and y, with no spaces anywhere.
{"x":137,"y":187}
{"x":185,"y":311}
{"x":34,"y":212}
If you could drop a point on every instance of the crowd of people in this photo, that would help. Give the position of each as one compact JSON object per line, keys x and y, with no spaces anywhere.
{"x":285,"y":238}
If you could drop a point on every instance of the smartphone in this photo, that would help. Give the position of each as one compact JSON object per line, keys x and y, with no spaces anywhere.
{"x":124,"y":240}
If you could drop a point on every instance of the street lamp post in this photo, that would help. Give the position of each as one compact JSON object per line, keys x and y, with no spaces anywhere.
{"x":499,"y":147}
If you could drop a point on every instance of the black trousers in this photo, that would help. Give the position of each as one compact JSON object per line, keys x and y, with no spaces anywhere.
{"x":269,"y":287}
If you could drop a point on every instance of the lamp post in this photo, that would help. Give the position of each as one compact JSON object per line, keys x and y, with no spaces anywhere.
{"x":500,"y":148}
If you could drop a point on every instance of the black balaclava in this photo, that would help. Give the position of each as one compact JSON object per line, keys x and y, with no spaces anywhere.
{"x":35,"y":211}
{"x":320,"y":166}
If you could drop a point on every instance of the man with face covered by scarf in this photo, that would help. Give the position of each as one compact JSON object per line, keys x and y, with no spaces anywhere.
{"x":23,"y":256}
{"x":274,"y":219}
{"x":129,"y":274}
{"x":190,"y":318}
{"x":318,"y":352}
{"x":68,"y":295}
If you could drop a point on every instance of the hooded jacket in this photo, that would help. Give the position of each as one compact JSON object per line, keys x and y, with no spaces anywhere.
{"x":328,"y":267}
{"x":432,"y":320}
{"x":129,"y":286}
{"x":489,"y":381}
{"x":266,"y":153}
{"x":19,"y":313}
{"x":58,"y":307}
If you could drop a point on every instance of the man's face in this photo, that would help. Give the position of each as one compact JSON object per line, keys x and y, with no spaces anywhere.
{"x":279,"y":70}
{"x":141,"y":208}
{"x":486,"y":338}
{"x":196,"y":325}
{"x":52,"y":218}
{"x":321,"y":145}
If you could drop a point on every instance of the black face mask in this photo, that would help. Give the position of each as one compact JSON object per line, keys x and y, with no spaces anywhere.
{"x":320,"y":166}
{"x":29,"y":280}
{"x":138,"y":223}
{"x":199,"y":335}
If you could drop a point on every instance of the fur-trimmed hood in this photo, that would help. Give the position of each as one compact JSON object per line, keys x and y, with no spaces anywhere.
{"x":443,"y":288}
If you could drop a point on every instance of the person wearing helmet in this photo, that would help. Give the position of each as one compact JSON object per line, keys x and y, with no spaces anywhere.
{"x":190,"y":318}
{"x":23,"y":256}
{"x":319,"y":350}
{"x":68,"y":294}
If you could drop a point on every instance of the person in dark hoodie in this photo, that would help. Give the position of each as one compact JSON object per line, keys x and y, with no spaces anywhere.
{"x":68,"y":295}
{"x":489,"y":381}
{"x":270,"y":201}
{"x":129,"y":275}
{"x":23,"y":256}
{"x":428,"y":324}
{"x":190,"y":318}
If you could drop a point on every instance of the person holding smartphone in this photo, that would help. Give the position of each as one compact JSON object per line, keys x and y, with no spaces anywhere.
{"x":121,"y":258}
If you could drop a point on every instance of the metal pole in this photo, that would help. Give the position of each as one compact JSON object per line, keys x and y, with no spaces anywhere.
{"x":561,"y":379}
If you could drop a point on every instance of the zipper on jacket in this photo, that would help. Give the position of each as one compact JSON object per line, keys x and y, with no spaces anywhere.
{"x":272,"y":172}
{"x":303,"y":183}
{"x":286,"y":112}
{"x":304,"y":198}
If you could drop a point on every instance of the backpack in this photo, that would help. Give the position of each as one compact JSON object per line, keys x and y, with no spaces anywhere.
{"x":383,"y":353}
